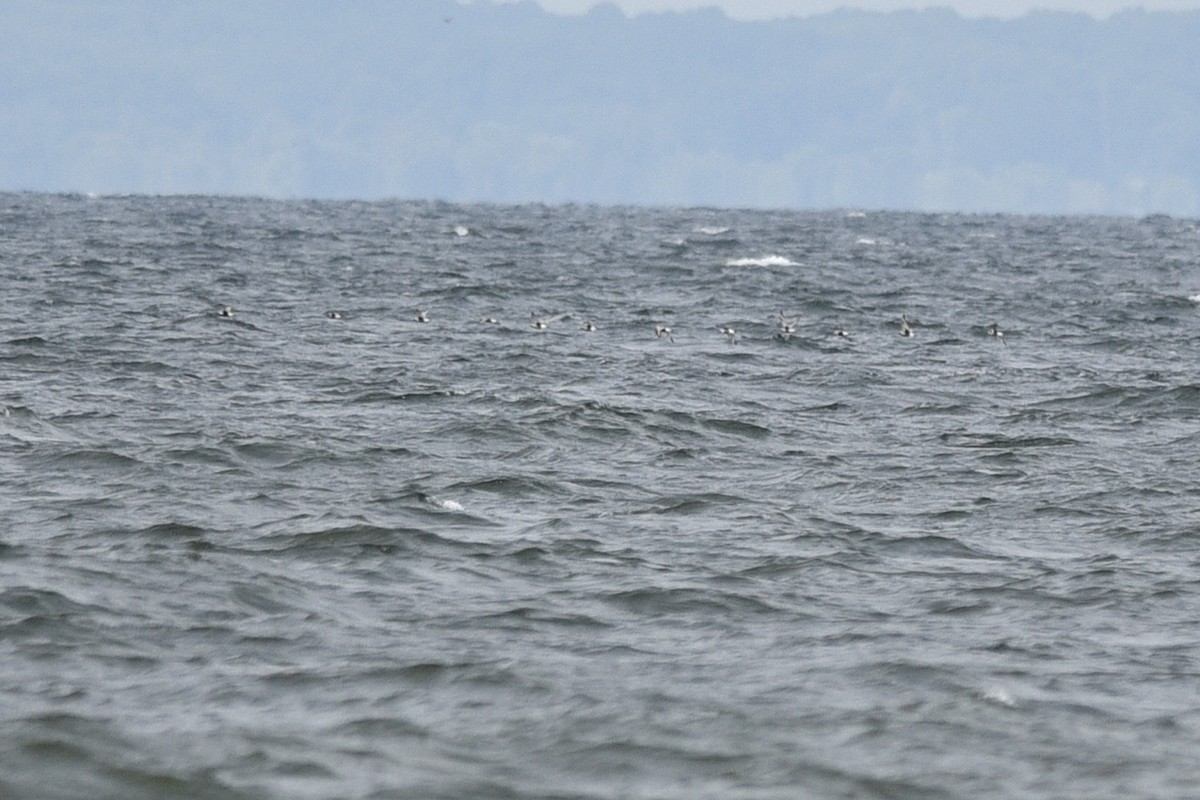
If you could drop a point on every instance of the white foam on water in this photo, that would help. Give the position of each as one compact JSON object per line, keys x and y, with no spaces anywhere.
{"x":764,"y":261}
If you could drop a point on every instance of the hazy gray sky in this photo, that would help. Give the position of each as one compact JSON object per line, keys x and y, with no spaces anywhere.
{"x":1057,"y":114}
{"x":766,"y":9}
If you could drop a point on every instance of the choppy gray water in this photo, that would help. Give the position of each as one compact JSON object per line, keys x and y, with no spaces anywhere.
{"x":278,"y":555}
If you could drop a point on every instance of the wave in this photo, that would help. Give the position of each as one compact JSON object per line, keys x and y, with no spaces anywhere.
{"x":170,"y":531}
{"x":44,"y":603}
{"x":1000,"y":442}
{"x":93,"y":458}
{"x":688,"y":504}
{"x":361,"y":537}
{"x":737,"y":427}
{"x":688,"y":601}
{"x":761,"y":261}
{"x":414,"y":396}
{"x":414,"y":529}
{"x":530,"y":617}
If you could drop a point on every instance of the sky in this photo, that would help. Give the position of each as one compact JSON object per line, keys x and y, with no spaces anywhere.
{"x":1056,"y":114}
{"x":768,"y":9}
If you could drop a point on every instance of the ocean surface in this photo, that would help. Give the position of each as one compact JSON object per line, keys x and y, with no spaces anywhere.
{"x":283,"y":555}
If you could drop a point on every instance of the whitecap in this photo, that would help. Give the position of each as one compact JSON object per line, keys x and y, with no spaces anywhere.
{"x":999,"y":696}
{"x":711,"y":230}
{"x":461,"y":230}
{"x":764,"y":261}
{"x":1195,"y":298}
{"x":437,"y":502}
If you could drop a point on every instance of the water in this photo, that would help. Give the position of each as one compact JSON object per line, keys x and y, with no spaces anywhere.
{"x":282,"y":556}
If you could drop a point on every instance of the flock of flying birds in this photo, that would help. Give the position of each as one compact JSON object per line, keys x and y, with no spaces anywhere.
{"x":787,"y":325}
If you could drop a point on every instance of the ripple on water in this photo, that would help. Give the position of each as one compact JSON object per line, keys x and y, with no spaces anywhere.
{"x":277,"y":556}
